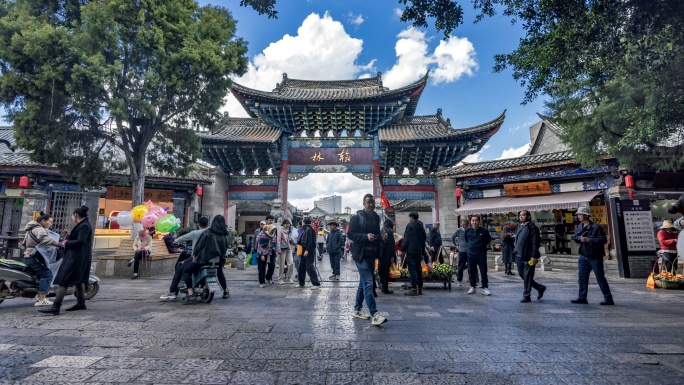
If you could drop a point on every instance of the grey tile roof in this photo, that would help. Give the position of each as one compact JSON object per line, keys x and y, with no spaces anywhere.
{"x":246,"y":130}
{"x":6,"y":138}
{"x":330,"y":91}
{"x":523,"y":162}
{"x":434,"y":127}
{"x":21,"y":159}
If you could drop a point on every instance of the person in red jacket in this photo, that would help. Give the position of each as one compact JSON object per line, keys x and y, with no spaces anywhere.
{"x":667,"y":236}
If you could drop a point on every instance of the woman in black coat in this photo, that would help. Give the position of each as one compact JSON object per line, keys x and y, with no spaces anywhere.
{"x":75,"y":268}
{"x":508,"y":248}
{"x":388,"y":254}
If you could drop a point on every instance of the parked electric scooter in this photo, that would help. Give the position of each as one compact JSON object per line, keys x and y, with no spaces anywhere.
{"x":205,"y":281}
{"x":17,"y":281}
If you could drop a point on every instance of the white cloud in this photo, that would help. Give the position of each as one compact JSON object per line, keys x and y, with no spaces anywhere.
{"x":316,"y":186}
{"x":356,"y":19}
{"x":476,"y":157}
{"x":452,"y":59}
{"x":321,"y":50}
{"x":514,"y":152}
{"x":532,"y":119}
{"x":398,"y":12}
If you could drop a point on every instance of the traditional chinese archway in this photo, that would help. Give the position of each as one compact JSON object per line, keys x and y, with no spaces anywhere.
{"x":345,"y":126}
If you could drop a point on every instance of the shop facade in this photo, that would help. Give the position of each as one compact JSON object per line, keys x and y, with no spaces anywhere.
{"x":547,"y":181}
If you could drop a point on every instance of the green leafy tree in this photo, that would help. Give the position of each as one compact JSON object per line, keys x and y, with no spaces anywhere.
{"x":612,"y":70}
{"x":92,"y":85}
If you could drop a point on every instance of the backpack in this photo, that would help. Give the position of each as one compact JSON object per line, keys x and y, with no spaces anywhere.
{"x":264,"y":250}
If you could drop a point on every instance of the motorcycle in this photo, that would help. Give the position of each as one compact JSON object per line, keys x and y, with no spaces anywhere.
{"x":205,"y":281}
{"x":17,"y":281}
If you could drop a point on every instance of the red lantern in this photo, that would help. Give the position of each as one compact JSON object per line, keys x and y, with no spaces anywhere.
{"x":629,"y":181}
{"x":23,"y":182}
{"x":199,"y":191}
{"x":458,"y":193}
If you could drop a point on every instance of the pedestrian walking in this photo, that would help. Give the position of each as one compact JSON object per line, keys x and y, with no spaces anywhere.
{"x":265,"y":242}
{"x":273,"y":254}
{"x":320,"y":241}
{"x":559,"y":232}
{"x":507,"y":248}
{"x":335,"y":246}
{"x":388,"y":254}
{"x":667,"y":237}
{"x":364,"y":232}
{"x":591,"y":239}
{"x":478,"y":239}
{"x":142,"y":247}
{"x":75,"y":268}
{"x":527,"y":242}
{"x":285,"y":253}
{"x":459,"y":239}
{"x":307,"y":263}
{"x":434,"y":240}
{"x":413,"y":246}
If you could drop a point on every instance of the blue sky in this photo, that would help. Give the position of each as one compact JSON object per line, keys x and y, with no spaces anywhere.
{"x":332,"y":39}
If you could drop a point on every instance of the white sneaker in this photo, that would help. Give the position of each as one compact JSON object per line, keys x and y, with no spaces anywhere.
{"x":332,"y":277}
{"x":472,"y":290}
{"x":280,"y":282}
{"x":487,"y":292}
{"x":378,"y":319}
{"x":261,"y":285}
{"x":168,"y":296}
{"x":459,"y":284}
{"x":360,"y":314}
{"x":314,"y":287}
{"x":45,"y":302}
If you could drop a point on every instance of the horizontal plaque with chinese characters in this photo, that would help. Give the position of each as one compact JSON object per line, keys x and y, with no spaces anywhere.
{"x":531,"y":188}
{"x":330,"y":156}
{"x":126,"y":194}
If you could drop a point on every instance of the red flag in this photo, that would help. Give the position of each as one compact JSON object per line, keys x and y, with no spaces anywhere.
{"x":383,"y":200}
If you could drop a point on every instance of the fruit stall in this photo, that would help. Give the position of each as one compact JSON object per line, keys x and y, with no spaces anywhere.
{"x":437,"y":273}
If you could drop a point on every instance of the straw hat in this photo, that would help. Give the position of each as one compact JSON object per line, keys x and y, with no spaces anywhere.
{"x":667,"y":224}
{"x":397,"y":238}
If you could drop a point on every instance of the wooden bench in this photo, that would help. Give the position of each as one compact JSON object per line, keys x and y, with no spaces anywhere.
{"x":159,"y":262}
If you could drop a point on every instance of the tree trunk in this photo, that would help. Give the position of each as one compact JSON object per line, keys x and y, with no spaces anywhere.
{"x":137,"y":168}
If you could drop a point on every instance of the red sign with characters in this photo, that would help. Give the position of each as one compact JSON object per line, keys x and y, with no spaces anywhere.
{"x":330,"y":156}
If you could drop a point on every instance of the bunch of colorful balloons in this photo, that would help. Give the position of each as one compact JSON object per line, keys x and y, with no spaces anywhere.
{"x":149,"y":216}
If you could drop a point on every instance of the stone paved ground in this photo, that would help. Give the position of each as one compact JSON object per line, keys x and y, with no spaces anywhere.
{"x":286,"y":335}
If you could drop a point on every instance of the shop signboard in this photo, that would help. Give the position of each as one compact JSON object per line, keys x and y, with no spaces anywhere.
{"x":638,"y":225}
{"x":126,"y":194}
{"x":598,"y":214}
{"x":531,"y":188}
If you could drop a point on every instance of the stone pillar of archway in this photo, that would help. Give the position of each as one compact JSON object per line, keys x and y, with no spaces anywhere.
{"x":377,"y":186}
{"x":283,"y":180}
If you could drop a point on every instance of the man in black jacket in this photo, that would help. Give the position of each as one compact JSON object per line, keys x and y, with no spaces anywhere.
{"x":591,"y":238}
{"x":364,"y":232}
{"x":435,"y":242}
{"x":335,"y":246}
{"x":413,"y":246}
{"x":478,"y":239}
{"x":306,"y":266}
{"x":527,"y":242}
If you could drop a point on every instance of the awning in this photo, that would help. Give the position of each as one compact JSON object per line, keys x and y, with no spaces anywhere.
{"x":568,"y":200}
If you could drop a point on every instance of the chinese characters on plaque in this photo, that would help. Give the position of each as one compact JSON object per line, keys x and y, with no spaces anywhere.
{"x":639,"y":227}
{"x":317,"y":157}
{"x":532,"y":188}
{"x":344,"y":156}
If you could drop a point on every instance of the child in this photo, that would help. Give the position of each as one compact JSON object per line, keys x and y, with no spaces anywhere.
{"x":453,"y":257}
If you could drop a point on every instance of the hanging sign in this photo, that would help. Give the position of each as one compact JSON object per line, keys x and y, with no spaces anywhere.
{"x":126,"y":194}
{"x":598,"y":214}
{"x":532,"y":188}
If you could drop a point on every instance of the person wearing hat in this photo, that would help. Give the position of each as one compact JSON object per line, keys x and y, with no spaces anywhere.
{"x":335,"y":246}
{"x":591,"y":239}
{"x":667,"y":236}
{"x":306,"y":265}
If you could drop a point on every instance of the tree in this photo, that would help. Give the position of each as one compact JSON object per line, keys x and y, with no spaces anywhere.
{"x":612,"y":70}
{"x":95,"y":84}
